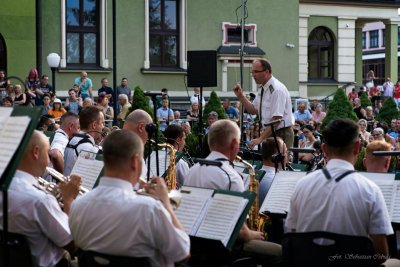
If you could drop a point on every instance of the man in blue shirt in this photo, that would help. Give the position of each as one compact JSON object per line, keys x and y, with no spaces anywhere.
{"x":85,"y":85}
{"x":302,"y":114}
{"x":230,"y":111}
{"x":164,"y":115}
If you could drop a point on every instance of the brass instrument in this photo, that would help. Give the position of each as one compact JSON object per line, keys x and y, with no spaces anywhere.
{"x":61,"y":178}
{"x":256,"y":220}
{"x":171,"y":177}
{"x":174,"y":196}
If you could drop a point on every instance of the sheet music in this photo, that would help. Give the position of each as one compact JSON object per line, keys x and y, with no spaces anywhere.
{"x":12,"y":130}
{"x":163,"y":161}
{"x":88,"y":168}
{"x":282,"y":188}
{"x":192,"y":208}
{"x":221,"y":217}
{"x":5,"y":112}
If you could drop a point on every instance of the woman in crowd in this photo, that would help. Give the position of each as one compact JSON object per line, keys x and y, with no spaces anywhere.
{"x":375,"y":95}
{"x":20,"y":97}
{"x":102,"y":103}
{"x":370,"y":118}
{"x":365,"y":135}
{"x":308,"y":132}
{"x":4,"y":82}
{"x":32,"y":83}
{"x":193,"y":112}
{"x":57,"y":111}
{"x":318,"y":115}
{"x":396,"y":94}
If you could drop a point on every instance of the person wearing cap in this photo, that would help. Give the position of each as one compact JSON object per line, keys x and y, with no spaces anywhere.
{"x":273,"y":103}
{"x":57,"y":111}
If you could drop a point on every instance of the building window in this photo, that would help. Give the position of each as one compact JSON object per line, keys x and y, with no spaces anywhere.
{"x":383,"y":38}
{"x":320,"y":54}
{"x":232,"y":34}
{"x":164,"y":33}
{"x":374,"y":39}
{"x":364,"y":43}
{"x":82,"y":32}
{"x":398,"y":36}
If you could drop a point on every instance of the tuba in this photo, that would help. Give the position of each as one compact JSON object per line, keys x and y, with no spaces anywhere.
{"x":257,"y":221}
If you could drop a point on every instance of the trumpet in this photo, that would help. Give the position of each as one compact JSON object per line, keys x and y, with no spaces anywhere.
{"x":61,"y":178}
{"x":174,"y":195}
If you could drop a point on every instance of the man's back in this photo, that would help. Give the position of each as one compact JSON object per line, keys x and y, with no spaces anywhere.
{"x":113,"y":219}
{"x":352,"y":206}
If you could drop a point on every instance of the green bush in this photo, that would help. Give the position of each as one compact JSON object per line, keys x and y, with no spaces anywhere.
{"x":388,"y":111}
{"x":140,"y":101}
{"x":358,"y":165}
{"x":365,"y":102}
{"x":339,"y":108}
{"x":213,"y":104}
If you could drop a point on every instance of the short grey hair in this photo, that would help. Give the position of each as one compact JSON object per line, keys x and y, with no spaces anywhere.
{"x":124,"y":96}
{"x":221,"y":134}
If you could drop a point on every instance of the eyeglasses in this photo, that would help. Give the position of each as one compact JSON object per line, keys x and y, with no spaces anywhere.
{"x":257,"y":71}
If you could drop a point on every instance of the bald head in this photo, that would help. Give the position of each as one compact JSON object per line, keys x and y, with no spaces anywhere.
{"x":136,"y":122}
{"x":36,"y":158}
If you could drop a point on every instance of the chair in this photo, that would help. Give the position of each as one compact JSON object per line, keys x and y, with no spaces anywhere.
{"x":95,"y":259}
{"x":327,"y":249}
{"x":19,"y":253}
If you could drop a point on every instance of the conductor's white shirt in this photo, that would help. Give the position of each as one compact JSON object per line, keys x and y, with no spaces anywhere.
{"x":214,"y":177}
{"x":37,"y":215}
{"x":113,"y":219}
{"x":351,"y":206}
{"x":276,"y":101}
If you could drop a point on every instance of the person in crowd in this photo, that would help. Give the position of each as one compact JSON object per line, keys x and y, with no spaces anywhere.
{"x":124,"y":107}
{"x":308,"y":132}
{"x":7,"y":102}
{"x":212,"y":118}
{"x":370,"y":79}
{"x":224,"y":141}
{"x":99,"y":218}
{"x":32,"y":83}
{"x":375,"y":95}
{"x":302,"y":113}
{"x":43,"y":88}
{"x":388,"y":88}
{"x":186,"y":127}
{"x":87,"y":102}
{"x":377,"y":163}
{"x":364,"y":134}
{"x":378,"y":134}
{"x":36,"y":214}
{"x":85,"y":85}
{"x":358,"y":109}
{"x":164,"y":114}
{"x":193,"y":112}
{"x":177,"y":115}
{"x":273,"y":95}
{"x":393,"y":130}
{"x":125,"y":89}
{"x":105,"y":89}
{"x":320,"y":196}
{"x":46,"y":104}
{"x":69,"y":125}
{"x":108,"y":111}
{"x":91,"y":122}
{"x":196,"y":97}
{"x":20,"y":97}
{"x":4,"y":82}
{"x":270,"y":164}
{"x":47,"y":124}
{"x":352,"y":95}
{"x":230,"y":111}
{"x":57,"y":110}
{"x":396,"y":94}
{"x":136,"y":122}
{"x":176,"y":136}
{"x":73,"y":103}
{"x":318,"y":115}
{"x":11,"y":91}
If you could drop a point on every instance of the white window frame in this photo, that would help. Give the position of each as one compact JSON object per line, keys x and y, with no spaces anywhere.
{"x":104,"y":61}
{"x":252,"y":35}
{"x":182,"y":35}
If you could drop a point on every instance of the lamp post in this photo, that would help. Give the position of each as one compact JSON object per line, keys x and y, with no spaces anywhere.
{"x":53,"y":60}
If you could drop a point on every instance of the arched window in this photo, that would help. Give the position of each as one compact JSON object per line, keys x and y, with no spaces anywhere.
{"x":3,"y":54}
{"x":320,"y":54}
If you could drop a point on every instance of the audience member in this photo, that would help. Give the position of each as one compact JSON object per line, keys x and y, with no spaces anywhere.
{"x":43,"y":88}
{"x":4,"y":82}
{"x":57,"y":110}
{"x":108,"y":111}
{"x":230,"y":111}
{"x":164,"y":115}
{"x":124,"y":106}
{"x":85,"y":85}
{"x":105,"y":89}
{"x":73,"y":103}
{"x":377,"y":163}
{"x":196,"y":97}
{"x":318,"y":115}
{"x":302,"y":113}
{"x":125,"y":89}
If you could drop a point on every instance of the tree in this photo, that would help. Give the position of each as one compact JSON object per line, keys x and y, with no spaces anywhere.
{"x":339,"y":108}
{"x":214,"y":104}
{"x":365,"y":102}
{"x":388,"y":111}
{"x":140,"y":101}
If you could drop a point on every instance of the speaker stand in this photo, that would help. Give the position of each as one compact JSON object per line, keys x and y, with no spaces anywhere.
{"x":200,"y":122}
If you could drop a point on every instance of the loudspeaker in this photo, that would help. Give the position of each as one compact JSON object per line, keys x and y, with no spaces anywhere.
{"x":202,"y":68}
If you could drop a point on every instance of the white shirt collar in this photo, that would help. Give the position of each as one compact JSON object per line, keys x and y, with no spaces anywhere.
{"x":115,"y":182}
{"x":339,"y":164}
{"x":216,"y":155}
{"x":22,"y":176}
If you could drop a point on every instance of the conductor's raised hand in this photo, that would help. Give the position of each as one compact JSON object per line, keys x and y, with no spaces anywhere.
{"x":237,"y":89}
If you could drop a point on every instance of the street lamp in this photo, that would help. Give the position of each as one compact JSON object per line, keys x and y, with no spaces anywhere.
{"x":53,"y":60}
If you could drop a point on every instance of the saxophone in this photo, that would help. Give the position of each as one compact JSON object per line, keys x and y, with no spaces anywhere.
{"x":171,"y":177}
{"x":256,"y":221}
